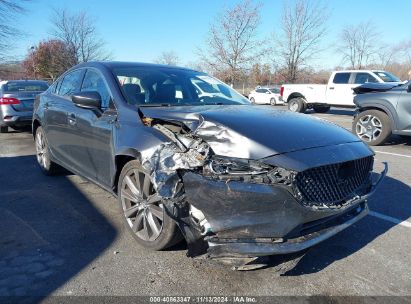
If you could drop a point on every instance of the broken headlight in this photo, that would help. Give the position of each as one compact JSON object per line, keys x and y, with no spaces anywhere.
{"x":236,"y":169}
{"x":247,"y":170}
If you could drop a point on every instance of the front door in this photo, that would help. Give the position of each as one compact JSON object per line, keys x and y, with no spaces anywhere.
{"x":94,"y":132}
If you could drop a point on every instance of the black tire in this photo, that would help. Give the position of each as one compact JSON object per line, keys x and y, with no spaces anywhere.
{"x":273,"y":101}
{"x":321,"y":109}
{"x":252,"y":100}
{"x":372,"y":126}
{"x":47,"y":166}
{"x":297,"y":105}
{"x":4,"y":129}
{"x":169,"y":234}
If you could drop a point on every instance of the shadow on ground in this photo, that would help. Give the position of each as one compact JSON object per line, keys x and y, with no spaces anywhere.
{"x":49,"y":231}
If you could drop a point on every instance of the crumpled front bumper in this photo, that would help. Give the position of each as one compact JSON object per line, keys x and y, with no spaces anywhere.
{"x":272,"y":223}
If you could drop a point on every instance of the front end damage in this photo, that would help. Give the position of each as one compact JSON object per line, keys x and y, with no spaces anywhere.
{"x":238,"y":209}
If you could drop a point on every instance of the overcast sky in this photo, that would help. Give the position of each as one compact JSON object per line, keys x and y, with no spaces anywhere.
{"x":138,"y":30}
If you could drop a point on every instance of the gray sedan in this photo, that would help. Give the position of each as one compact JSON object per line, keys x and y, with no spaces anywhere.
{"x":210,"y":168}
{"x":16,"y":102}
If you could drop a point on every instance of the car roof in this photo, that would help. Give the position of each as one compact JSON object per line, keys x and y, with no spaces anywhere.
{"x":125,"y":64}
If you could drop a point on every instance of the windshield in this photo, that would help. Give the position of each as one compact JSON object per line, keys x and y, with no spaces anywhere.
{"x":387,"y":77}
{"x":157,"y":86}
{"x":275,"y":91}
{"x":25,"y":86}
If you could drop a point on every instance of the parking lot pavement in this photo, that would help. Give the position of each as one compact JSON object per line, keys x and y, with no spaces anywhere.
{"x":64,"y":236}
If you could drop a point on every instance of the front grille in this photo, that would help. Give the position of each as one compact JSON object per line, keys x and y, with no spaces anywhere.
{"x":331,"y":185}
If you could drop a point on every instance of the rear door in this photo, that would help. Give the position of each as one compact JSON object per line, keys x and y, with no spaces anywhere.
{"x":262,"y":96}
{"x":339,"y":91}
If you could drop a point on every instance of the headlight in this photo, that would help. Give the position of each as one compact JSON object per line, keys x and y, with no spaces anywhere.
{"x":236,"y":169}
{"x":229,"y":166}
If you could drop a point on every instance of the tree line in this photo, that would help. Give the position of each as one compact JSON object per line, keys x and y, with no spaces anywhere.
{"x":233,"y":49}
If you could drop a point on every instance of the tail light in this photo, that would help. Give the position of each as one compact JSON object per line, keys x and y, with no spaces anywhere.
{"x":9,"y":101}
{"x":281,"y":91}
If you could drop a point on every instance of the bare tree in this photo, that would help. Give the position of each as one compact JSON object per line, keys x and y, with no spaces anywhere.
{"x":302,"y":28}
{"x":8,"y":11}
{"x":232,"y":46}
{"x":359,"y":44}
{"x":169,"y":58}
{"x":79,"y":33}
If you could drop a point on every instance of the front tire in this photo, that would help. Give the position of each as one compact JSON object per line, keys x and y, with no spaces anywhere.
{"x":373,"y":127}
{"x":252,"y":100}
{"x":297,"y":105}
{"x":47,"y":166}
{"x":143,"y":209}
{"x":4,"y":129}
{"x":273,"y":101}
{"x":321,"y":109}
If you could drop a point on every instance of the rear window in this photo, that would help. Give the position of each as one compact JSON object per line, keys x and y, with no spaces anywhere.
{"x":26,"y":86}
{"x":341,"y":78}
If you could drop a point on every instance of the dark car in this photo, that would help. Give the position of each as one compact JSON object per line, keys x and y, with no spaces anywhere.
{"x":16,"y":102}
{"x":209,"y":167}
{"x":383,"y":109}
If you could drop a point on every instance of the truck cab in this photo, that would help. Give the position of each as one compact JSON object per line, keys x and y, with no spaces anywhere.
{"x":338,"y":92}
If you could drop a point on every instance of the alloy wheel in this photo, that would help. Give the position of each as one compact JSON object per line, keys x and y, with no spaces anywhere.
{"x":142,"y":206}
{"x":369,"y":128}
{"x":41,"y":149}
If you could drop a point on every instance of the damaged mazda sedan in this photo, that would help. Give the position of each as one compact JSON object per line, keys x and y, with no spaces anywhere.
{"x":189,"y":157}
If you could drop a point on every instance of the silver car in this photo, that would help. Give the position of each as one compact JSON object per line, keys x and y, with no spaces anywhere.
{"x":16,"y":102}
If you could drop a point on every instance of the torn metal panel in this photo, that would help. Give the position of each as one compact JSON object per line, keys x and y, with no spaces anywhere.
{"x":163,"y":162}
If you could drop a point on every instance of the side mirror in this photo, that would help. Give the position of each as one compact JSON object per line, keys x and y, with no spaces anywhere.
{"x":409,"y":88}
{"x":87,"y":100}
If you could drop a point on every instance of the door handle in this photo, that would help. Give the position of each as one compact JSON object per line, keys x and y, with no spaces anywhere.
{"x":331,"y":88}
{"x":72,"y":119}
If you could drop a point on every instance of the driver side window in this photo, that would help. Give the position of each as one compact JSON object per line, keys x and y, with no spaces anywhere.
{"x":94,"y":82}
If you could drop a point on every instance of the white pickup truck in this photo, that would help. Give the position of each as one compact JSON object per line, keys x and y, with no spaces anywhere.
{"x":337,"y":93}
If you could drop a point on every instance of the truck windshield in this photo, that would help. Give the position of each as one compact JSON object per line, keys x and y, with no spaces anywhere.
{"x":387,"y":77}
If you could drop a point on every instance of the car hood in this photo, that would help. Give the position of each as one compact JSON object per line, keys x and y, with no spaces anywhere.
{"x":375,"y":87}
{"x":253,"y":132}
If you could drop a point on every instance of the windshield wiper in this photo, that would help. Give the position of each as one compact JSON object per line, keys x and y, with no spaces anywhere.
{"x":155,"y":105}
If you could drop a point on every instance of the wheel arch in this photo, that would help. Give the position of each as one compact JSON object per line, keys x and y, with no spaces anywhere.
{"x":295,"y":95}
{"x":121,"y":160}
{"x":35,"y":125}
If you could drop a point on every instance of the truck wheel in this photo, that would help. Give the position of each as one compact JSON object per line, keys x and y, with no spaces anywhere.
{"x":372,"y":126}
{"x":321,"y":109}
{"x":4,"y":129}
{"x":297,"y":105}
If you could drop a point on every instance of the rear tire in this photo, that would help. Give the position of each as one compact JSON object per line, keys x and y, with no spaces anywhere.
{"x":47,"y":166}
{"x":321,"y":109}
{"x":297,"y":105}
{"x":143,"y":210}
{"x":372,"y":126}
{"x":4,"y":129}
